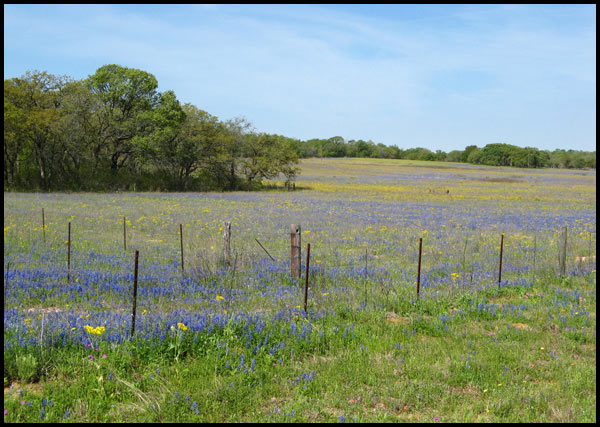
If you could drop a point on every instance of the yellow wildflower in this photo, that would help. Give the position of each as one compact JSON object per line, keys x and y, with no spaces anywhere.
{"x":182,"y":326}
{"x":94,"y":331}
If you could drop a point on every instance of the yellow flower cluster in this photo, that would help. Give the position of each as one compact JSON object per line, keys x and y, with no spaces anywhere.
{"x":182,"y":326}
{"x":95,"y":331}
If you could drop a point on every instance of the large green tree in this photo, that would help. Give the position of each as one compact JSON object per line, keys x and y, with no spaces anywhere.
{"x":188,"y":143}
{"x":126,"y":96}
{"x":32,"y":136}
{"x":265,"y":157}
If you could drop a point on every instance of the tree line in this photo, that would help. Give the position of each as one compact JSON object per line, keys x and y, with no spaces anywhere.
{"x":115,"y":131}
{"x":496,"y":154}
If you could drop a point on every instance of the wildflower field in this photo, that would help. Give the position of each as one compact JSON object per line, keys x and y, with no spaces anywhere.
{"x":225,"y":344}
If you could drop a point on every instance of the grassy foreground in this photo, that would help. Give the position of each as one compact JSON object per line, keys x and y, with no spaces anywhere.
{"x":227,"y":345}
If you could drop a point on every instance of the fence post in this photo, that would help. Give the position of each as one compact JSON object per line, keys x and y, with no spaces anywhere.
{"x":562,"y":255}
{"x":6,"y":284}
{"x":500,"y":267}
{"x":227,"y":243}
{"x":366,"y":273}
{"x":419,"y":267}
{"x":69,"y":255}
{"x":124,"y":236}
{"x":135,"y":280}
{"x":306,"y":285}
{"x":43,"y":225}
{"x":181,"y":243}
{"x":295,"y":250}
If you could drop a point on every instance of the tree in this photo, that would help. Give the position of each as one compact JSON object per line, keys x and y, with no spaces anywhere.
{"x":334,"y":147}
{"x":454,"y":156}
{"x":363,"y":149}
{"x":265,"y":157}
{"x":166,"y":142}
{"x":78,"y":130}
{"x":468,"y":150}
{"x":125,"y":94}
{"x":32,"y":134}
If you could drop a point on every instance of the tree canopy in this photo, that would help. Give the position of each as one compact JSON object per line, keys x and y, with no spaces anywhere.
{"x":114,"y":130}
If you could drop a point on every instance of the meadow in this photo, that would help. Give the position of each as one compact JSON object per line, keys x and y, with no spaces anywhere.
{"x":233,"y":344}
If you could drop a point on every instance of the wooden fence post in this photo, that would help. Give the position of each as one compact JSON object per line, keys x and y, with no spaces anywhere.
{"x":135,"y":280}
{"x":295,"y":250}
{"x":227,"y":243}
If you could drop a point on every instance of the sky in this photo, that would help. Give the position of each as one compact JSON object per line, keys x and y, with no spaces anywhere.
{"x":435,"y":76}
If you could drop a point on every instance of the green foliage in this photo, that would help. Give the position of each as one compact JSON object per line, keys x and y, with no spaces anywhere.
{"x":27,"y":367}
{"x":114,"y":130}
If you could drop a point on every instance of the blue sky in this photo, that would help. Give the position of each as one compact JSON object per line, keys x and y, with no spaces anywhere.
{"x":435,"y":76}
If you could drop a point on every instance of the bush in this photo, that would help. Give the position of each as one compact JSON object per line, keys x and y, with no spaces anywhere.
{"x":27,"y":367}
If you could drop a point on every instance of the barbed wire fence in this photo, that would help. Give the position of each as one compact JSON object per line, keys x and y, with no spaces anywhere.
{"x":471,"y":258}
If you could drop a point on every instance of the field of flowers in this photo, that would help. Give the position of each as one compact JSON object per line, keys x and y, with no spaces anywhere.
{"x":214,"y":344}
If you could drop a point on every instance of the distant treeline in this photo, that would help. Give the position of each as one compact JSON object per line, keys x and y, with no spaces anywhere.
{"x":492,"y":154}
{"x":115,"y":131}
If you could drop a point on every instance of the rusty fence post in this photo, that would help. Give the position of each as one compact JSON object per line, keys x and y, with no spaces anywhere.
{"x":419,"y":267}
{"x":366,"y":273}
{"x":6,"y":284}
{"x":135,"y":280}
{"x":500,"y":265}
{"x":306,"y":284}
{"x":69,"y":255}
{"x":181,"y":244}
{"x":295,"y":260}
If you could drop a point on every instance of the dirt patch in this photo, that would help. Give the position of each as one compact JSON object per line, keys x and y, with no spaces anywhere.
{"x":34,"y":388}
{"x":488,"y":179}
{"x":394,"y":318}
{"x":469,"y":389}
{"x":522,"y":326}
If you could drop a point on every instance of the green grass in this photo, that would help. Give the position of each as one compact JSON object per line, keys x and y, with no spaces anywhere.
{"x":530,"y":373}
